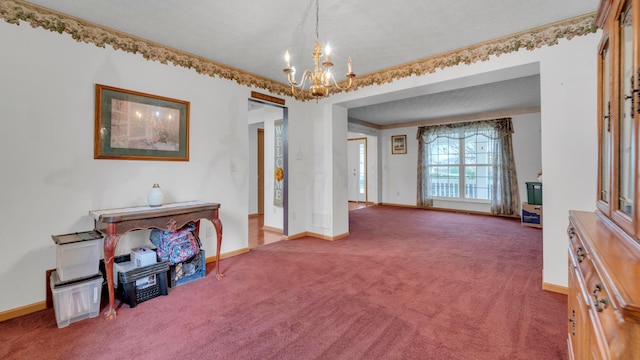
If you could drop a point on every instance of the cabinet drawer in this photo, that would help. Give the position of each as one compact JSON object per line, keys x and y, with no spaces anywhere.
{"x":578,"y":252}
{"x":607,"y":329}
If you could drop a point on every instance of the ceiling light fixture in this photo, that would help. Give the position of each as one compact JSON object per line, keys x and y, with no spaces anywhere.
{"x":321,"y":79}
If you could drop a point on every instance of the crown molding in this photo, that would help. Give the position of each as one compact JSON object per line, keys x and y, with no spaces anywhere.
{"x":547,"y":35}
{"x":15,"y":11}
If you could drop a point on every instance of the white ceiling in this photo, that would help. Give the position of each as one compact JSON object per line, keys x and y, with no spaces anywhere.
{"x":378,"y":34}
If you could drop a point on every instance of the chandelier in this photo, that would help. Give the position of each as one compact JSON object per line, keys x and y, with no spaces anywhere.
{"x":321,"y":79}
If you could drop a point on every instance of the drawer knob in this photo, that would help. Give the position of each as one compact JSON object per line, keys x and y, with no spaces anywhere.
{"x":571,"y":232}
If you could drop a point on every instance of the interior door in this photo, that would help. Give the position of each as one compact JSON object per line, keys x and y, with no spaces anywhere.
{"x":357,"y":170}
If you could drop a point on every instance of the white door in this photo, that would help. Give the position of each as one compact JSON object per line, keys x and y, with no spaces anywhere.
{"x":357,"y":171}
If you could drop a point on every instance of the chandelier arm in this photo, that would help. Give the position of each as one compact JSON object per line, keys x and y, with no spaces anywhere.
{"x":297,"y":89}
{"x":350,"y":77}
{"x":305,"y":76}
{"x":343,"y":88}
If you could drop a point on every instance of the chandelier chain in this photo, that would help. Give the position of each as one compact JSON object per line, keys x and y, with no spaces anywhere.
{"x":317,"y":19}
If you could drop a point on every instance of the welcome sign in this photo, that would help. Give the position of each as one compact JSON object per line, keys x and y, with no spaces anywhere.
{"x":278,"y":175}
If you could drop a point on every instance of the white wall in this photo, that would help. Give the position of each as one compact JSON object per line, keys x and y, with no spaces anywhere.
{"x":302,"y":172}
{"x":50,"y":180}
{"x":568,"y":86}
{"x":527,"y":151}
{"x":399,"y":174}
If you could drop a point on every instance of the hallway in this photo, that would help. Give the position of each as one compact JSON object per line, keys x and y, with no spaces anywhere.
{"x":259,"y":236}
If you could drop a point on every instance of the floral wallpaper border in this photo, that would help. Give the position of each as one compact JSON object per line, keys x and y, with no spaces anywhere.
{"x":15,"y":11}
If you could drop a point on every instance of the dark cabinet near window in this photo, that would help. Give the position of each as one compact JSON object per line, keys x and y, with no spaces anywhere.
{"x":604,"y":246}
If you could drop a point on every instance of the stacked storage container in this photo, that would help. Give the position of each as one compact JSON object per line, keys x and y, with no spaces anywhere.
{"x":76,"y":284}
{"x":532,"y":209}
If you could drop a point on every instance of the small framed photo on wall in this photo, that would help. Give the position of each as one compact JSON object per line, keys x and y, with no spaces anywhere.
{"x":399,"y":144}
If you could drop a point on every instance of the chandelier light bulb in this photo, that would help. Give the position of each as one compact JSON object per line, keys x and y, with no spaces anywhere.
{"x":328,"y":57}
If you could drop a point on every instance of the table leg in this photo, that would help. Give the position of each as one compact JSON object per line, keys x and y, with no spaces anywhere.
{"x":110,"y":243}
{"x":218,"y":225}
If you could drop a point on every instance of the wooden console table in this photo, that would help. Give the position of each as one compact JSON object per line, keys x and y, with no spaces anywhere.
{"x":169,"y":217}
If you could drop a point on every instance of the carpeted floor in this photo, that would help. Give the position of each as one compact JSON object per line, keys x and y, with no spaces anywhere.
{"x":407,"y":284}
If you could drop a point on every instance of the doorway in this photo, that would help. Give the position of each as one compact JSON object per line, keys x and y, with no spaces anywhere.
{"x":267,"y":133}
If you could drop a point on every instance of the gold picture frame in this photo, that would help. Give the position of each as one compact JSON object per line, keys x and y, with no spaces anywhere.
{"x":399,"y":144}
{"x":132,"y":125}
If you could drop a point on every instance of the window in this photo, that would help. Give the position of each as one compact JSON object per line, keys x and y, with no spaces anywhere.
{"x":472,"y":160}
{"x":459,"y":153}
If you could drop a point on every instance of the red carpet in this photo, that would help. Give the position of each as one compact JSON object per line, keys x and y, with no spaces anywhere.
{"x":407,"y":284}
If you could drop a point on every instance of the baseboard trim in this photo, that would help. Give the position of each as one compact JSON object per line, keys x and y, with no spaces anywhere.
{"x":555,"y":288}
{"x":315,"y":235}
{"x":367,"y":203}
{"x":272,"y":229}
{"x":23,"y":310}
{"x":458,"y":211}
{"x":295,"y":236}
{"x":212,"y":259}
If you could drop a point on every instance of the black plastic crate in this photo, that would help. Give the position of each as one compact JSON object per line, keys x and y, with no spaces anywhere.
{"x":132,"y":295}
{"x":189,"y":270}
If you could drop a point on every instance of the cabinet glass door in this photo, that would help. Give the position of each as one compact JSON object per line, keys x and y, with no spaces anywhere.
{"x":605,"y":125}
{"x":625,"y":113}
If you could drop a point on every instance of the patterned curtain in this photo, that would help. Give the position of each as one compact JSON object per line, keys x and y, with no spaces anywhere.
{"x":506,"y":195}
{"x":424,"y":175}
{"x":505,"y":198}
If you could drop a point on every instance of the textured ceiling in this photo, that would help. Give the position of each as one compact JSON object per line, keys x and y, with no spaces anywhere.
{"x":378,"y":34}
{"x":518,"y":93}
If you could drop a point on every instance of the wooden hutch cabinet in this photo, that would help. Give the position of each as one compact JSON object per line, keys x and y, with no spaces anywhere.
{"x":604,"y":246}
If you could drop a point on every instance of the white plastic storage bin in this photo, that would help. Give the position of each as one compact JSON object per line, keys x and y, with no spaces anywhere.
{"x":77,"y":255}
{"x":75,"y":301}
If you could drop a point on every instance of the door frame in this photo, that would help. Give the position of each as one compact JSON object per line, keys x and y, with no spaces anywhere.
{"x":285,"y":183}
{"x":366,"y":168}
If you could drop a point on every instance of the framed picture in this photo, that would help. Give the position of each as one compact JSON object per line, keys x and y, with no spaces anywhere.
{"x":399,"y":144}
{"x":137,"y":126}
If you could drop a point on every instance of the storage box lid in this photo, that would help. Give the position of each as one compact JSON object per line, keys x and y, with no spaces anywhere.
{"x":57,"y":284}
{"x":76,"y":237}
